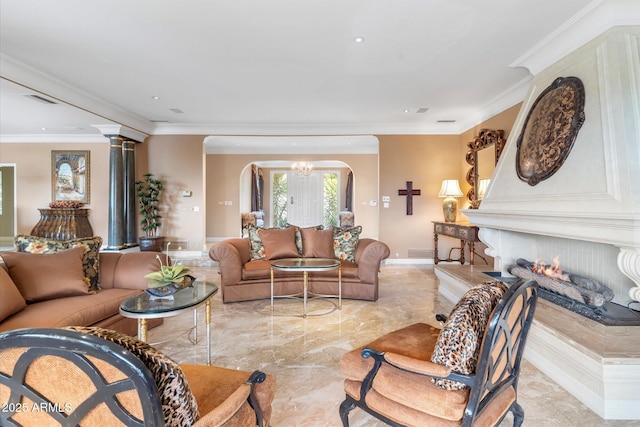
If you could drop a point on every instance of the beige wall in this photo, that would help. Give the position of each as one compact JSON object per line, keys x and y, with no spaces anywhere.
{"x":33,"y":174}
{"x":426,"y":160}
{"x":180,"y":162}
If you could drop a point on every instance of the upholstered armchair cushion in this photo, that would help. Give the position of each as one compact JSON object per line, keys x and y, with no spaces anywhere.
{"x":458,"y":344}
{"x":179,"y":405}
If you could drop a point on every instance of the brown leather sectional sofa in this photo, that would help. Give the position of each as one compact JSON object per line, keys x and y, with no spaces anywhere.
{"x":121,"y":276}
{"x":243,"y":278}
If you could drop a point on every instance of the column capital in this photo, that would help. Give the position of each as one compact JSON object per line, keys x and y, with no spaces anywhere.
{"x":123,"y":131}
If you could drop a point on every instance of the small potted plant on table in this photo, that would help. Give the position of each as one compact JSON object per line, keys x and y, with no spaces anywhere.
{"x":169,"y":279}
{"x":148,"y":192}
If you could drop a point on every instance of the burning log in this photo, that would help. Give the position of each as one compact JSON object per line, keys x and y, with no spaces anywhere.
{"x":581,"y":289}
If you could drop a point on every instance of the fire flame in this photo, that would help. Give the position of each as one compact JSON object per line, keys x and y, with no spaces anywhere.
{"x":552,"y":271}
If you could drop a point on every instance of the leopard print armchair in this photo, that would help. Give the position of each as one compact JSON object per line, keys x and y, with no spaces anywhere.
{"x":93,"y":376}
{"x":462,"y":375}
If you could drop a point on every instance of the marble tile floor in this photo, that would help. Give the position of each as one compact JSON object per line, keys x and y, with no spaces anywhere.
{"x":304,"y":354}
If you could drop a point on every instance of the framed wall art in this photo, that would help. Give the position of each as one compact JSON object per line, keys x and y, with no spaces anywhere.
{"x":70,"y":175}
{"x":550,"y":129}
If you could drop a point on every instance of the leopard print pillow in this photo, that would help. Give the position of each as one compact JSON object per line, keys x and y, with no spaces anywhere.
{"x":459,"y":341}
{"x":179,"y":406}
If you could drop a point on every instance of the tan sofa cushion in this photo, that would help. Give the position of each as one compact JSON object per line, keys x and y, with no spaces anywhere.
{"x":11,"y":301}
{"x":79,"y":310}
{"x":90,"y":260}
{"x":279,"y":242}
{"x":317,"y":243}
{"x":40,"y":277}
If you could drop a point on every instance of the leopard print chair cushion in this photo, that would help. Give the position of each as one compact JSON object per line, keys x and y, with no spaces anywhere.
{"x":179,"y":406}
{"x":459,"y":341}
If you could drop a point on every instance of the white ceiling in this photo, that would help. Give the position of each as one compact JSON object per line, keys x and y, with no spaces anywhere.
{"x":279,"y":67}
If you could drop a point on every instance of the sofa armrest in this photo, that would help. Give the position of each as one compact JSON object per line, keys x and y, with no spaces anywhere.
{"x":133,"y":266}
{"x":369,"y":255}
{"x":232,"y":254}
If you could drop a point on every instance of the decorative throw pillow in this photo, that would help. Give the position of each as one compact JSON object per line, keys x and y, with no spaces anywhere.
{"x":90,"y":261}
{"x":179,"y":406}
{"x":299,"y":235}
{"x":11,"y":301}
{"x":345,"y":241}
{"x":279,"y":242}
{"x":459,"y":341}
{"x":257,"y":248}
{"x":317,"y":243}
{"x":41,"y":277}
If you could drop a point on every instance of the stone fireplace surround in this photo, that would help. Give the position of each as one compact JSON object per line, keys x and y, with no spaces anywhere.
{"x":588,"y":214}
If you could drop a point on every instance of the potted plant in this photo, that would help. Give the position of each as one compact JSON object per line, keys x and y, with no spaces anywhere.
{"x":148,"y":192}
{"x":169,"y":279}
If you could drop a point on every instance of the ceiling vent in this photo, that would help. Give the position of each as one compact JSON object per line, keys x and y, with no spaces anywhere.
{"x":159,"y":121}
{"x":176,"y":110}
{"x":446,"y":121}
{"x":42,"y":99}
{"x":422,"y":110}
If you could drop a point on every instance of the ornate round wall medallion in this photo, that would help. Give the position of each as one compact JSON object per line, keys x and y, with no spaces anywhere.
{"x":550,"y":129}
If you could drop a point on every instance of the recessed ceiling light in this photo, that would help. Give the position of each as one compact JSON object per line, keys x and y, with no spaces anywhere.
{"x":155,"y":97}
{"x":358,"y":39}
{"x":406,"y":110}
{"x":43,"y":128}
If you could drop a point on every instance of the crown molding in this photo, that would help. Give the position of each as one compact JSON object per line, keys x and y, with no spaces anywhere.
{"x":590,"y":22}
{"x":53,"y":138}
{"x":33,"y":79}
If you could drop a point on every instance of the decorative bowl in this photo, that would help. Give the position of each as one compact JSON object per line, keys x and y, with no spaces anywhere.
{"x":164,"y":291}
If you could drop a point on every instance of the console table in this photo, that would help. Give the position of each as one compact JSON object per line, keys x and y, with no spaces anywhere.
{"x":466,"y":232}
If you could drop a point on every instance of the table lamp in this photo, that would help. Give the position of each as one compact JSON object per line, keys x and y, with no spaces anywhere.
{"x":482,"y":188}
{"x":450,"y":190}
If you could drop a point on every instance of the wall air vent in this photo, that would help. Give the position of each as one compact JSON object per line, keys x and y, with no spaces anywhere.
{"x":41,"y":98}
{"x":422,"y":110}
{"x":176,"y":110}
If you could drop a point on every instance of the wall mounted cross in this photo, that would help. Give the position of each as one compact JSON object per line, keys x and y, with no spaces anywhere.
{"x":409,"y":192}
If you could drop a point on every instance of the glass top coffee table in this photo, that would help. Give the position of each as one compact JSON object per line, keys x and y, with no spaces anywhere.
{"x":305,"y":266}
{"x":143,"y":306}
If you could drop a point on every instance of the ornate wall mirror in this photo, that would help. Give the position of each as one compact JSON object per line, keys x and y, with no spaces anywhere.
{"x":484,"y":152}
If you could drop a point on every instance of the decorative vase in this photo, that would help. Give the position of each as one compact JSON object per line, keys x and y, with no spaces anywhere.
{"x":164,"y":291}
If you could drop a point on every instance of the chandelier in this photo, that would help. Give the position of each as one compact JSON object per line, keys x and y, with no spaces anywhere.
{"x":302,"y":168}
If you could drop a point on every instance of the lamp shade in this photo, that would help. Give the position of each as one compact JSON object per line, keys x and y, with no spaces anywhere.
{"x":482,"y":188}
{"x":450,"y":188}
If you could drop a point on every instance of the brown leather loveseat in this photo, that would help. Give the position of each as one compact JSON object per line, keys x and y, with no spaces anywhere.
{"x":243,"y":277}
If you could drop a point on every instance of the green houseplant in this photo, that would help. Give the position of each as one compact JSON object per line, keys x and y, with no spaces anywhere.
{"x":148,"y":192}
